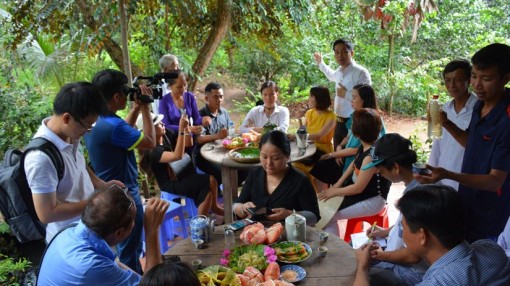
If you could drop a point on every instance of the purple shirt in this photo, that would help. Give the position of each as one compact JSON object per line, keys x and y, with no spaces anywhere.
{"x":173,"y":114}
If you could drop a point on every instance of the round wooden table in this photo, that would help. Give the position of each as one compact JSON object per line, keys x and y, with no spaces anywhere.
{"x":216,"y":153}
{"x":337,"y":268}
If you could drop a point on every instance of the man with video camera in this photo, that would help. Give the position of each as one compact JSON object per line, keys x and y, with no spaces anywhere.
{"x":111,"y":145}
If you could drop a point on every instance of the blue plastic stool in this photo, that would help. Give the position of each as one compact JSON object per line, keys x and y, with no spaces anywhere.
{"x":190,"y":208}
{"x":167,"y":229}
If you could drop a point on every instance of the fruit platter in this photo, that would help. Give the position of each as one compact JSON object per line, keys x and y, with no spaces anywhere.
{"x":292,"y":251}
{"x":233,"y":143}
{"x":245,"y":155}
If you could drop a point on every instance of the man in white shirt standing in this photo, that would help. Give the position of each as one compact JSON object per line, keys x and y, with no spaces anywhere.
{"x":446,"y":152}
{"x":346,"y":76}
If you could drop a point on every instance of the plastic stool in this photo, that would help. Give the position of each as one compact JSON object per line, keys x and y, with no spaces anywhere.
{"x":189,"y":206}
{"x":355,"y":225}
{"x":167,"y":229}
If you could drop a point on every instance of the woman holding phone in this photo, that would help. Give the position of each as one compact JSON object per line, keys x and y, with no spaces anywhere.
{"x":170,"y":147}
{"x":276,"y":185}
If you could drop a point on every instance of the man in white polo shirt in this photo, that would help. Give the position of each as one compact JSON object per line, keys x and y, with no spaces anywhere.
{"x":446,"y":152}
{"x":59,"y":203}
{"x":346,"y":76}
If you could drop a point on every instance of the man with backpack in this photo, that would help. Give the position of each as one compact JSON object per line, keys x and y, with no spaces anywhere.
{"x":59,"y":200}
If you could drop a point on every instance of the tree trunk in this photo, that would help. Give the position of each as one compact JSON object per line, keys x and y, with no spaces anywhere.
{"x":125,"y":47}
{"x":391,"y":76}
{"x":112,"y":48}
{"x":218,"y":32}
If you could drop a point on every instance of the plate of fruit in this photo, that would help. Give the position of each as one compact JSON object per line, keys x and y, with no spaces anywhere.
{"x":236,"y":142}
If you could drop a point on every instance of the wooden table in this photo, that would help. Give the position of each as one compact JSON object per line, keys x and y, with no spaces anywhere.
{"x":337,"y":268}
{"x":219,"y":155}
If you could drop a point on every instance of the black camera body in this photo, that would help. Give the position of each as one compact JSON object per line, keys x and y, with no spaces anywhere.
{"x":155,"y":83}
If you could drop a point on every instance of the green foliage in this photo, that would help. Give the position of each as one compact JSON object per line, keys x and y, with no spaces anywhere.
{"x":421,"y":148}
{"x":10,"y":270}
{"x":4,"y":228}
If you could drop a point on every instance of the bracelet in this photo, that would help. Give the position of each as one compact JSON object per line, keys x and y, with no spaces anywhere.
{"x":182,"y":133}
{"x":187,"y":134}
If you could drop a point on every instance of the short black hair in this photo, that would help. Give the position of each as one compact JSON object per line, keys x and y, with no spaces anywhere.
{"x":322,"y":97}
{"x":456,"y":64}
{"x":107,"y":211}
{"x":497,"y":55}
{"x":366,"y":124}
{"x":170,"y":273}
{"x":396,"y":149}
{"x":347,"y":43}
{"x":269,"y":83}
{"x":109,"y":82}
{"x":212,"y":85}
{"x":278,"y":139}
{"x":367,"y":94}
{"x":437,"y":209}
{"x":80,"y":99}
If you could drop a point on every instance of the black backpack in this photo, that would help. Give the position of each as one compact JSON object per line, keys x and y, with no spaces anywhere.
{"x":16,"y":203}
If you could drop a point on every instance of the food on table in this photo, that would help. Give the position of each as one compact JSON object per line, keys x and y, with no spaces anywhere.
{"x":243,"y":256}
{"x":245,"y":153}
{"x":254,"y":234}
{"x":252,"y":136}
{"x":272,"y":271}
{"x":274,"y":233}
{"x":289,"y":275}
{"x":218,"y":275}
{"x":292,"y":251}
{"x":252,"y":276}
{"x":257,"y":234}
{"x":235,"y":142}
{"x":268,"y":127}
{"x":292,"y":273}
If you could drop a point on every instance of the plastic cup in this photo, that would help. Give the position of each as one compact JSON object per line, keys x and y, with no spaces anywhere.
{"x":323,"y":236}
{"x":199,"y":243}
{"x":196,"y":264}
{"x":323,"y":251}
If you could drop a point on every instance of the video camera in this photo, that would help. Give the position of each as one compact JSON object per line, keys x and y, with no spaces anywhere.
{"x":154,"y":82}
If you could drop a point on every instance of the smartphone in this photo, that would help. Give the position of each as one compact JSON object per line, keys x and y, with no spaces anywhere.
{"x":240,"y":224}
{"x":259,"y":213}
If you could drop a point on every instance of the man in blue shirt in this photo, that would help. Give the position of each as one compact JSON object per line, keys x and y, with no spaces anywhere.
{"x":111,"y":145}
{"x":484,"y":182}
{"x":433,"y":229}
{"x":83,"y":255}
{"x":219,"y":122}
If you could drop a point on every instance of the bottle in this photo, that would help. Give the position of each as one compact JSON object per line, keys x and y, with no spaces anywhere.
{"x":231,"y":130}
{"x":230,"y":238}
{"x":435,"y":128}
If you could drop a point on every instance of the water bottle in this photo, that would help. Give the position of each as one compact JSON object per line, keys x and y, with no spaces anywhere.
{"x":435,"y":129}
{"x":230,"y":239}
{"x":231,"y":130}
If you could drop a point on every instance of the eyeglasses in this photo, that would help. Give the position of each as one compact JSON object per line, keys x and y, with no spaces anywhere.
{"x":124,"y":190}
{"x":88,"y":129}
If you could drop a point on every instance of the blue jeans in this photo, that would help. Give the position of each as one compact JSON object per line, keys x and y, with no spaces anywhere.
{"x":130,"y":249}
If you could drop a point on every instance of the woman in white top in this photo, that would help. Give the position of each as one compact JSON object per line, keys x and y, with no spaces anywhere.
{"x":268,"y":113}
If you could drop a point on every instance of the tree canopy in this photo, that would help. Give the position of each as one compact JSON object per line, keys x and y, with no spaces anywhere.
{"x":48,"y":43}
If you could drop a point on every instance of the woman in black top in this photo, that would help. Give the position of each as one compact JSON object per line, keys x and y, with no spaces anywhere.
{"x":276,"y":185}
{"x":367,"y":195}
{"x":170,"y":147}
